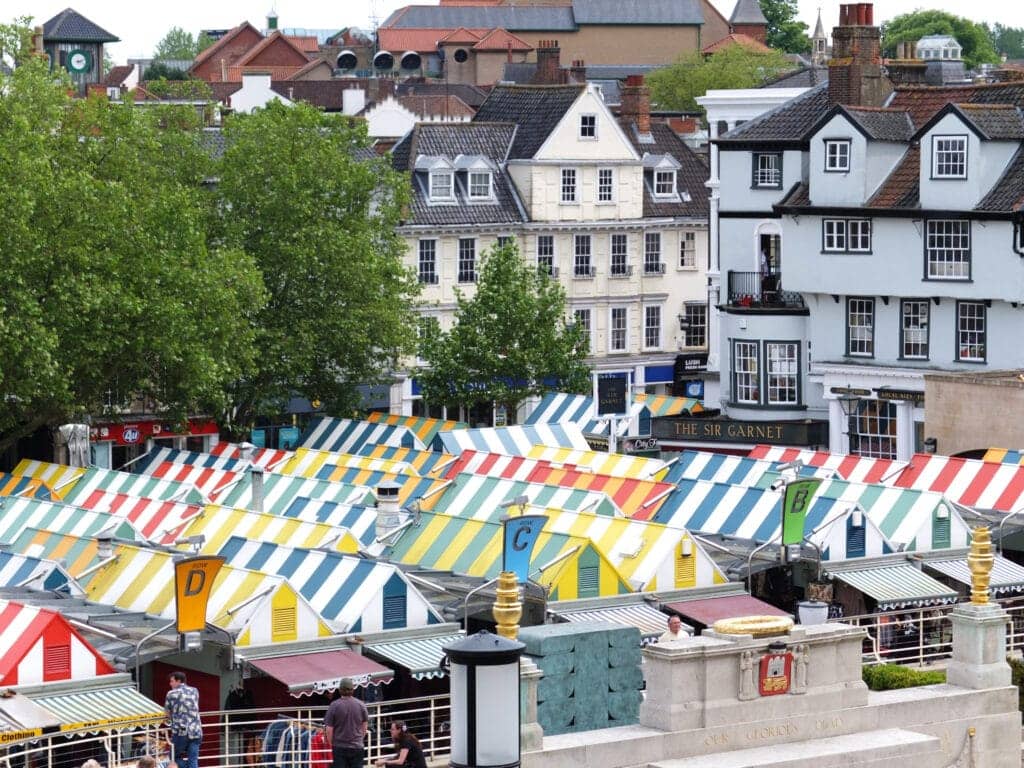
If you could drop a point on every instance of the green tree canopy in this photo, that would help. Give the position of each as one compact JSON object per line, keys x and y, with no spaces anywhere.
{"x":510,"y":340}
{"x":911,"y":27}
{"x":692,"y":75}
{"x":178,"y":44}
{"x":1008,"y":40}
{"x":299,"y":191}
{"x":784,"y":32}
{"x":110,"y":287}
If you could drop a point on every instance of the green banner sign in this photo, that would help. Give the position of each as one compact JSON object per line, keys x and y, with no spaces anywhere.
{"x":795,"y":503}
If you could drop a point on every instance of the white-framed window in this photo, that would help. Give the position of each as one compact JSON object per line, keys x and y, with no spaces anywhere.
{"x":783,"y":372}
{"x":582,"y":265}
{"x":583,"y":317}
{"x":568,"y":185}
{"x":860,"y":327}
{"x":503,"y":240}
{"x":970,"y":331}
{"x":664,"y":182}
{"x":846,"y":235}
{"x":652,"y":326}
{"x":546,"y":254}
{"x":837,"y":155}
{"x":467,"y":260}
{"x":480,"y":185}
{"x":618,"y":265}
{"x":694,"y":325}
{"x":767,"y":170}
{"x":873,"y":429}
{"x":688,"y":250}
{"x":428,"y":261}
{"x":746,"y":382}
{"x":605,"y":185}
{"x":949,"y":157}
{"x":588,"y":126}
{"x":948,"y":249}
{"x":441,"y":185}
{"x":652,"y":254}
{"x":914,"y":316}
{"x":618,"y":329}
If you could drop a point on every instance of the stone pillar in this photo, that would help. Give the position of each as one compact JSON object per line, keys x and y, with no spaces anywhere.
{"x":531,"y":735}
{"x":905,"y":437}
{"x":838,"y":428}
{"x":979,"y":647}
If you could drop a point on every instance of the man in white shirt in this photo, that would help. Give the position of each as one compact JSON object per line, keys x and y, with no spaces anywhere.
{"x":675,"y":630}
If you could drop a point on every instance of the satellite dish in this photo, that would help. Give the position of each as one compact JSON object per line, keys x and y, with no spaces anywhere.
{"x":411,"y":60}
{"x":460,"y":55}
{"x":384,"y":60}
{"x":347,"y":60}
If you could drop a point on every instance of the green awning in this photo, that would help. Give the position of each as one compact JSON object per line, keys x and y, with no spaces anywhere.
{"x":1006,"y":575}
{"x":103,"y":709}
{"x":649,"y":620}
{"x":422,"y":656}
{"x":896,"y":586}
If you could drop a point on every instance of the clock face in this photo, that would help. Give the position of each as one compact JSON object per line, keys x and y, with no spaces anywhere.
{"x":79,"y":61}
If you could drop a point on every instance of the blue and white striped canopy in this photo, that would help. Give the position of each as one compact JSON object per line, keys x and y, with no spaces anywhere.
{"x":562,"y":408}
{"x":511,"y":441}
{"x":351,"y":436}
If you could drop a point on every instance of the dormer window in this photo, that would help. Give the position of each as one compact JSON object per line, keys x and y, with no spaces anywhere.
{"x":837,"y":155}
{"x":767,"y":170}
{"x":480,"y":185}
{"x":949,"y":157}
{"x":441,"y":185}
{"x":664,"y":183}
{"x":588,"y":126}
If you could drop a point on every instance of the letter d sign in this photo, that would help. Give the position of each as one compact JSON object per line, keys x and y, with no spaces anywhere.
{"x":193,"y":582}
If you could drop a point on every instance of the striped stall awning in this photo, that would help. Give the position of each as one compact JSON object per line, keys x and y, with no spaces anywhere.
{"x":649,"y":620}
{"x":409,"y":487}
{"x":424,"y":462}
{"x":1006,"y":575}
{"x":280,"y":490}
{"x":145,"y":486}
{"x":159,"y":521}
{"x":697,"y":505}
{"x":562,"y":408}
{"x":174,"y":456}
{"x":424,"y":428}
{"x":1004,"y":456}
{"x":859,"y":469}
{"x":511,"y":441}
{"x":19,"y":485}
{"x":482,"y":497}
{"x":21,"y":513}
{"x":422,"y":656}
{"x":307,"y":462}
{"x":34,"y":572}
{"x":208,"y":480}
{"x":601,"y":462}
{"x":265,"y":458}
{"x":970,"y":482}
{"x":350,"y":436}
{"x":359,"y":520}
{"x":103,"y":709}
{"x":58,"y":477}
{"x":896,"y":586}
{"x":322,"y":671}
{"x":666,"y":405}
{"x":735,"y":470}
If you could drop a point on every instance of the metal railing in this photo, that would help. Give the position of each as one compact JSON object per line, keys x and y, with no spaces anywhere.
{"x":269,"y":738}
{"x":754,"y":289}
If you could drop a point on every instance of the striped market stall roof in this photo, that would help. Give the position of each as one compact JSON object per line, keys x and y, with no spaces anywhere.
{"x":19,"y":485}
{"x":58,"y":477}
{"x":265,"y":458}
{"x":649,"y":555}
{"x":666,"y":405}
{"x":308,"y":462}
{"x":424,"y":462}
{"x":422,"y":656}
{"x":481,"y":497}
{"x":848,"y":534}
{"x":722,"y":468}
{"x":410,"y":487}
{"x":218,"y":524}
{"x":562,"y":408}
{"x":100,"y":709}
{"x":699,"y":505}
{"x":512,"y":441}
{"x":630,"y":496}
{"x":77,"y":553}
{"x":357,"y":519}
{"x":40,"y":646}
{"x":493,"y":465}
{"x":860,"y":469}
{"x":210,"y":482}
{"x":280,"y":490}
{"x":1004,"y":456}
{"x":1006,"y":575}
{"x":895,"y":586}
{"x":570,"y":566}
{"x":21,"y":513}
{"x":256,"y":608}
{"x":194,"y":458}
{"x":424,"y":428}
{"x":617,"y":464}
{"x":970,"y":482}
{"x":349,"y":436}
{"x":95,"y":479}
{"x":649,"y":620}
{"x":159,"y":521}
{"x":352,"y":593}
{"x":35,"y":573}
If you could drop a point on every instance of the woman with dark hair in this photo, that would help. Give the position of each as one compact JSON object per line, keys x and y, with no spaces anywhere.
{"x":410,"y":751}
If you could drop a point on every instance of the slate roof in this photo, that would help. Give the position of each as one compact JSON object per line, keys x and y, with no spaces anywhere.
{"x":542,"y":18}
{"x":72,"y":27}
{"x":747,"y":12}
{"x":902,"y":188}
{"x":994,"y":121}
{"x":468,"y":94}
{"x":430,"y":106}
{"x":492,"y":140}
{"x":804,"y":77}
{"x":1008,"y":193}
{"x":690,"y":178}
{"x":537,"y":109}
{"x":788,"y":122}
{"x":648,"y":12}
{"x":882,"y":124}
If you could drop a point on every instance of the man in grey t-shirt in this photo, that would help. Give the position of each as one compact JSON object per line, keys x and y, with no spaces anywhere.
{"x":347,"y":720}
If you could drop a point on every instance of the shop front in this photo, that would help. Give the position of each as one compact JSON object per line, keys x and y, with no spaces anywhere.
{"x":726,"y":435}
{"x":114,"y":444}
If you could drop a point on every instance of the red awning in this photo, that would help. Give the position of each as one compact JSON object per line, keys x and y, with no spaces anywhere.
{"x":711,"y":609}
{"x":322,"y":671}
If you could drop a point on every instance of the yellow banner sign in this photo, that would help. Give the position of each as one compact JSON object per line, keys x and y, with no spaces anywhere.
{"x":6,"y":737}
{"x":193,"y":581}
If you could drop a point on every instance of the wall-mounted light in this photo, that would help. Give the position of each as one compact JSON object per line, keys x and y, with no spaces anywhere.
{"x":857,"y":518}
{"x":930,"y":445}
{"x":942,"y":513}
{"x":686,"y":548}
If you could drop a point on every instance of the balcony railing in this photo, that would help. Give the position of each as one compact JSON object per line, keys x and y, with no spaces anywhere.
{"x":752,"y":289}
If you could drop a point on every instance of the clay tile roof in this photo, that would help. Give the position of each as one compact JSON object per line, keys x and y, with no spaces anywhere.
{"x":309,"y":68}
{"x":736,"y":38}
{"x":305,"y":43}
{"x":799,"y":196}
{"x":500,"y":40}
{"x":461,"y":35}
{"x":276,"y":73}
{"x":882,"y":124}
{"x":431,"y":106}
{"x":223,"y":43}
{"x":117,"y":75}
{"x":71,"y":26}
{"x":995,"y":121}
{"x":901,"y":189}
{"x":420,"y":40}
{"x":268,"y":41}
{"x":1008,"y":193}
{"x":923,"y":102}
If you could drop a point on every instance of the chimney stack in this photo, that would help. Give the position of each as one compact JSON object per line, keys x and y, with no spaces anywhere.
{"x":256,"y":504}
{"x":549,"y":68}
{"x":578,"y":71}
{"x":387,"y":508}
{"x":855,"y":71}
{"x":635,"y":103}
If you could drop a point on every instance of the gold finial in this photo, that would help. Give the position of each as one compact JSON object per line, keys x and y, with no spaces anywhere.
{"x":980,"y":561}
{"x":507,"y":608}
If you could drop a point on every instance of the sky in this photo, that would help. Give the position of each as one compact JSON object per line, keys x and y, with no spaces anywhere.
{"x":140,"y":30}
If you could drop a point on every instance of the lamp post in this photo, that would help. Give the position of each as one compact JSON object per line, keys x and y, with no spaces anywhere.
{"x":849,"y":403}
{"x":484,"y":673}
